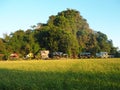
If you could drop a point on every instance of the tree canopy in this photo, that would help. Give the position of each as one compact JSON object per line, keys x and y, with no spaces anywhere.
{"x":67,"y":32}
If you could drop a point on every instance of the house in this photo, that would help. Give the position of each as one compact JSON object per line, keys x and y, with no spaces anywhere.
{"x":44,"y":54}
{"x":14,"y":56}
{"x":85,"y":55}
{"x":102,"y":55}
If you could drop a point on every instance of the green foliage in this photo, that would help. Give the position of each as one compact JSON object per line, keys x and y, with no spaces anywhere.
{"x":89,"y":41}
{"x":2,"y":46}
{"x":21,"y":42}
{"x":57,"y":40}
{"x":67,"y":32}
{"x":69,"y":20}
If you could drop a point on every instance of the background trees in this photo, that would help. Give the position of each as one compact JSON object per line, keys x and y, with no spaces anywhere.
{"x":57,"y":40}
{"x":67,"y":32}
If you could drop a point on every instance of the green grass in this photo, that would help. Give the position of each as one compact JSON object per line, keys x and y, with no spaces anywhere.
{"x":93,"y":74}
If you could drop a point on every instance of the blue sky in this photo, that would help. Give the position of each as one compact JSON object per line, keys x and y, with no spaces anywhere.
{"x":102,"y":15}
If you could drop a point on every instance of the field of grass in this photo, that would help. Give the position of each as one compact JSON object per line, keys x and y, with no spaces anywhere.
{"x":87,"y":74}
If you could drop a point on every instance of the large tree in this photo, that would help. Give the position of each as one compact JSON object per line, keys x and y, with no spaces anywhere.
{"x":57,"y":40}
{"x":89,"y":41}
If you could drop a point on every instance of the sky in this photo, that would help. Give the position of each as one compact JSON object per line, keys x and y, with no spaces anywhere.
{"x":101,"y":15}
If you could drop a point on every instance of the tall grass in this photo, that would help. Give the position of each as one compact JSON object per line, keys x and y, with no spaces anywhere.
{"x":87,"y":74}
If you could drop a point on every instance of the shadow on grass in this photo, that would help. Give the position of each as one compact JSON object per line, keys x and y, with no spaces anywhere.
{"x":33,"y":80}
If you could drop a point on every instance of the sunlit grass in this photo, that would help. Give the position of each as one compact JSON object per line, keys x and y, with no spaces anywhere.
{"x":69,"y":74}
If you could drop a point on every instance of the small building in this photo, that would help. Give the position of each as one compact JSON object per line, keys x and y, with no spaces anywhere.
{"x":58,"y":55}
{"x":85,"y":55}
{"x":44,"y":54}
{"x":29,"y":56}
{"x":14,"y":56}
{"x":102,"y":55}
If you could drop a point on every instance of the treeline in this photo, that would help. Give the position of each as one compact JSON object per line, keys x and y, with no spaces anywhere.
{"x":66,"y":32}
